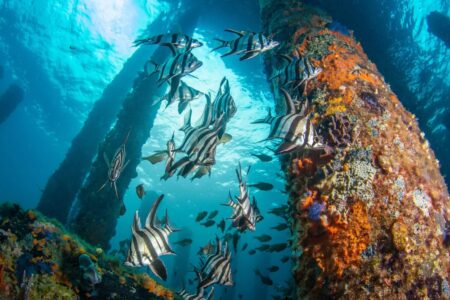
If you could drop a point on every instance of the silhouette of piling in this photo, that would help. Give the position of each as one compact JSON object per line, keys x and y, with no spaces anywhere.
{"x":370,"y":214}
{"x":9,"y":101}
{"x":95,"y":213}
{"x":64,"y":184}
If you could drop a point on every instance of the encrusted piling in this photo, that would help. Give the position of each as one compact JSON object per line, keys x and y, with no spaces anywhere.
{"x":9,"y":101}
{"x":370,"y":214}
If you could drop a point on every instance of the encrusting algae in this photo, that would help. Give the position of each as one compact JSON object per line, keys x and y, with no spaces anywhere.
{"x":370,"y":212}
{"x":39,"y":260}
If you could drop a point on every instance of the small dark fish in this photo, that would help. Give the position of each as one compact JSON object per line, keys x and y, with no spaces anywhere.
{"x":263,"y":157}
{"x":236,"y":238}
{"x":264,"y":279}
{"x":221,"y":225}
{"x":140,"y":191}
{"x":123,"y":209}
{"x":190,"y":281}
{"x":201,"y":216}
{"x":252,"y":252}
{"x":263,"y":238}
{"x":273,"y":269}
{"x":264,"y":247}
{"x":213,"y":214}
{"x":208,"y":223}
{"x":281,"y":227}
{"x":263,"y":186}
{"x":285,"y":259}
{"x":244,"y":247}
{"x":184,"y":242}
{"x":240,"y":296}
{"x":278,"y":247}
{"x":279,"y":211}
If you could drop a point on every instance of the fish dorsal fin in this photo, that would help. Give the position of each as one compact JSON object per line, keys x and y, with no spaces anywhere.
{"x":150,"y":221}
{"x":207,"y":112}
{"x":136,"y":223}
{"x":240,"y":33}
{"x":187,"y":121}
{"x":289,"y":104}
{"x":219,"y":246}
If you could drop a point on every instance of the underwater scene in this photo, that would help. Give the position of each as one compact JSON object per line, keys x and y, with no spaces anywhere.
{"x":201,"y":149}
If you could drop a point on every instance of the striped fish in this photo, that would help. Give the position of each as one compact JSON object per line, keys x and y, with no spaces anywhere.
{"x":216,"y":269}
{"x":170,"y":158}
{"x":174,"y":69}
{"x":200,"y":291}
{"x":200,"y":145}
{"x":223,"y":104}
{"x":296,"y":72}
{"x":249,"y":44}
{"x":295,"y":128}
{"x":116,"y":166}
{"x":245,"y":213}
{"x":173,"y":41}
{"x":184,"y":94}
{"x":150,"y":242}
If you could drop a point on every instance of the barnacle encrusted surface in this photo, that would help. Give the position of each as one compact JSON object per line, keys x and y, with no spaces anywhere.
{"x":40,"y":260}
{"x":370,"y":212}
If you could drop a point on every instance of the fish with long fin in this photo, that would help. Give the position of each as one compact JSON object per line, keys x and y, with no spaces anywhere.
{"x":245,"y":212}
{"x":249,"y":44}
{"x":172,"y":40}
{"x":216,"y":269}
{"x":184,"y":95}
{"x":150,"y":242}
{"x":173,"y":69}
{"x":298,"y":71}
{"x":294,"y":127}
{"x":116,"y":165}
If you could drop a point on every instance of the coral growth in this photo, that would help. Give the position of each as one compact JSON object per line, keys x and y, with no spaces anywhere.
{"x":39,"y":260}
{"x":370,"y":213}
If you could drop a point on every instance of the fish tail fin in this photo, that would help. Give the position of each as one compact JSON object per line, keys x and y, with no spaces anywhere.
{"x":267,"y":119}
{"x":222,"y":44}
{"x":157,"y":157}
{"x":182,"y":106}
{"x":159,"y":269}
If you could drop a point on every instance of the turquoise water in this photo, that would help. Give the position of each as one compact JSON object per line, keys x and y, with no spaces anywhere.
{"x":64,"y":54}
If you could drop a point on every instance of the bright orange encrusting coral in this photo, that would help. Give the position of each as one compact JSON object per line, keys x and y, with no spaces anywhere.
{"x":370,"y":213}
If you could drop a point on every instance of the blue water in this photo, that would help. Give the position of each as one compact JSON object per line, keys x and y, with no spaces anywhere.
{"x":64,"y":54}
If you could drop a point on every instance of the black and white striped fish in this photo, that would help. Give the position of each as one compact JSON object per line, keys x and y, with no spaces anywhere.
{"x":174,"y":69}
{"x":223,"y":105}
{"x":250,"y":44}
{"x":294,"y":128}
{"x":200,"y":146}
{"x":200,"y":294}
{"x":116,"y":166}
{"x":216,"y":269}
{"x":150,"y":242}
{"x":298,"y":71}
{"x":184,"y":94}
{"x":245,"y":213}
{"x":174,"y":41}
